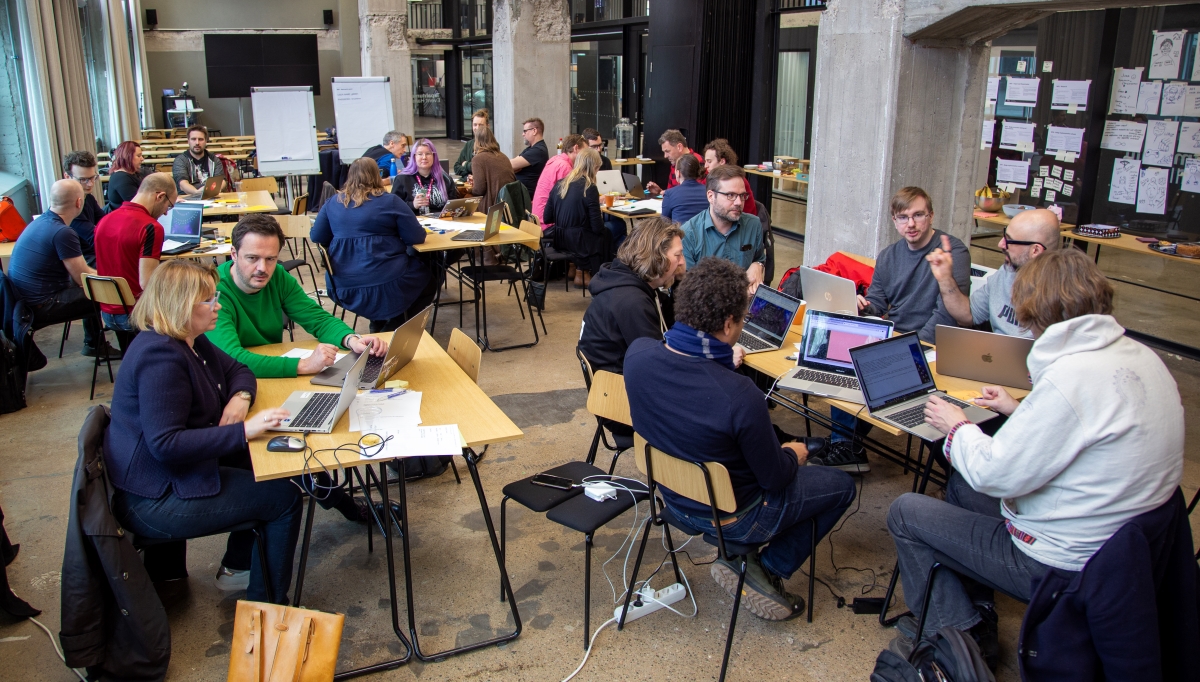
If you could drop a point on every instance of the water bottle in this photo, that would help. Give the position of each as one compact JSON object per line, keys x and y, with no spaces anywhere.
{"x":624,"y":134}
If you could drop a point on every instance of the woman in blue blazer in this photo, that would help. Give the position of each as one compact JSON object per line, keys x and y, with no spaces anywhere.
{"x":178,"y":417}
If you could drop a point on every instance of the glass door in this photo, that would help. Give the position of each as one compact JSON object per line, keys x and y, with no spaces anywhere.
{"x":429,"y":95}
{"x":477,"y":82}
{"x":596,"y":85}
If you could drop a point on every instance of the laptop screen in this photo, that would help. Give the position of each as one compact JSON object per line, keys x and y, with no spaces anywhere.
{"x":182,"y":223}
{"x":771,"y":314}
{"x":828,"y":338}
{"x":891,"y":369}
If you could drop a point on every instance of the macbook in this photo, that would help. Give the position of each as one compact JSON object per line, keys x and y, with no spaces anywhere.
{"x":319,"y":411}
{"x":459,"y":208}
{"x":610,"y":181}
{"x":379,"y":368}
{"x":828,"y":293}
{"x":633,"y":186}
{"x":181,"y":228}
{"x":983,"y":356}
{"x":212,"y":188}
{"x":897,"y":382}
{"x":824,"y":367}
{"x":495,"y":217}
{"x":771,"y":315}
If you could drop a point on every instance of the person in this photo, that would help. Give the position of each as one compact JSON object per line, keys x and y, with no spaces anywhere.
{"x":368,"y":233}
{"x":490,"y":169}
{"x":391,"y":155}
{"x":1029,"y":235}
{"x":47,"y":268}
{"x":574,"y":208}
{"x":719,"y":153}
{"x":529,"y":163}
{"x":124,"y":174}
{"x":1055,"y":482}
{"x":595,"y":141}
{"x":724,"y":230}
{"x":777,"y":497}
{"x":129,"y":244}
{"x":462,"y":166}
{"x":197,"y":165}
{"x":674,"y":145}
{"x":176,"y":450}
{"x":80,"y":166}
{"x":556,"y":169}
{"x":422,"y":183}
{"x":689,"y":196}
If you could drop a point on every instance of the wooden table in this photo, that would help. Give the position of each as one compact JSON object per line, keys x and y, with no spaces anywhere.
{"x":630,"y":218}
{"x":6,"y":249}
{"x":444,"y":241}
{"x":779,"y":179}
{"x":257,"y":201}
{"x":1126,"y":242}
{"x":1000,"y":220}
{"x":632,"y":162}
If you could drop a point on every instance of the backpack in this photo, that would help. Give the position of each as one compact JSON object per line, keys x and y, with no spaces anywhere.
{"x":11,"y":222}
{"x":949,"y":655}
{"x":421,"y":467}
{"x":12,"y":377}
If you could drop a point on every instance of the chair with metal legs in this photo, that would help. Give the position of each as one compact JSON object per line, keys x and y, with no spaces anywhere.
{"x":331,"y":288}
{"x":110,"y":291}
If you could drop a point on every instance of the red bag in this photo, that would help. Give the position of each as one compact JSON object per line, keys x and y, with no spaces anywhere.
{"x":11,"y":222}
{"x":844,"y":266}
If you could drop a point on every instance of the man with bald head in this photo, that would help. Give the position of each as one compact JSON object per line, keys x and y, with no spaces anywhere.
{"x":129,"y":244}
{"x":48,"y":266}
{"x":1030,"y":234}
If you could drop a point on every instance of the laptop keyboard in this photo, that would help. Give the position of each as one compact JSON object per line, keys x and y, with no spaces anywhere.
{"x":751,"y":343}
{"x":371,"y":370}
{"x":468,"y":236}
{"x":828,"y":379}
{"x":315,"y":411}
{"x":915,"y":416}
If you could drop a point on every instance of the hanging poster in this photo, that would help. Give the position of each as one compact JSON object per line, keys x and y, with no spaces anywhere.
{"x":1152,"y":191}
{"x":1125,"y":91}
{"x":989,"y":133}
{"x":1148,"y":95}
{"x":1013,"y":172}
{"x":1191,"y":101}
{"x":1174,"y":97}
{"x":1070,"y":94}
{"x":1160,"y":143}
{"x":1123,"y":189}
{"x":993,"y":88}
{"x":1022,"y":92}
{"x":1191,"y":176}
{"x":1165,"y":53}
{"x":1189,"y":138}
{"x":1017,"y":136}
{"x":1123,"y":136}
{"x":1064,"y":139}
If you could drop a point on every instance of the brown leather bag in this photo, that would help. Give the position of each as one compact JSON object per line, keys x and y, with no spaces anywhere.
{"x":273,"y":643}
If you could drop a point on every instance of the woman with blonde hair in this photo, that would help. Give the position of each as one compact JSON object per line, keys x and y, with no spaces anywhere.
{"x":490,"y":169}
{"x":176,"y":446}
{"x":369,"y":233}
{"x":574,"y":209}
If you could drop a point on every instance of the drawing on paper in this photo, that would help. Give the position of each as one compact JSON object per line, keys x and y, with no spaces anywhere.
{"x":1123,"y":189}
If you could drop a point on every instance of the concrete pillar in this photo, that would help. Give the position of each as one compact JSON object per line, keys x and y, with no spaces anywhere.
{"x":531,"y":63}
{"x":383,"y":33}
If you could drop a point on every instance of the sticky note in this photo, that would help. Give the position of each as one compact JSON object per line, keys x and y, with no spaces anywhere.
{"x":395,"y":383}
{"x":1070,"y":157}
{"x":1044,"y":171}
{"x":1047,"y":67}
{"x":1068,"y":175}
{"x":1051,"y":195}
{"x":1060,"y":156}
{"x":1056,"y":171}
{"x":1021,"y":67}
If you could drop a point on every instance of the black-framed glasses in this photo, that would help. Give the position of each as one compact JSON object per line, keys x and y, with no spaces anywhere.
{"x":1017,"y":242}
{"x":598,"y":146}
{"x":85,"y":181}
{"x":733,"y":196}
{"x":528,"y":130}
{"x":917,"y":217}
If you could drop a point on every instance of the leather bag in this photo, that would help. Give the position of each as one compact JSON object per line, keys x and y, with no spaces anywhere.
{"x":273,"y":643}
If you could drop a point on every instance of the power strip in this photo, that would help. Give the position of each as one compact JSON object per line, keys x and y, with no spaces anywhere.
{"x":651,"y":601}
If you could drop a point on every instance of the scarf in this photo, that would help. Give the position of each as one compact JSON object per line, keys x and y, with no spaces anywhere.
{"x":699,"y":344}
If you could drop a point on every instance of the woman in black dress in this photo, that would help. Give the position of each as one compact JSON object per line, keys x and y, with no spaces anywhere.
{"x":574,"y":209}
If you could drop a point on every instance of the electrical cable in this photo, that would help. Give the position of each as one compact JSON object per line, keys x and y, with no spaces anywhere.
{"x":587,"y":653}
{"x":54,"y":643}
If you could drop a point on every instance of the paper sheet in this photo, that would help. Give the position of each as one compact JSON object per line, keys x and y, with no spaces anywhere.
{"x":1160,"y":143}
{"x":1191,"y":176}
{"x":1191,"y":100}
{"x":1068,"y":175}
{"x":1022,"y":92}
{"x":1189,"y":138}
{"x":1165,"y":53}
{"x":421,"y":441}
{"x":1067,"y":93}
{"x":1123,"y":189}
{"x":1043,"y":171}
{"x":1148,"y":95}
{"x":376,"y":411}
{"x":1125,"y":91}
{"x":1017,"y":136}
{"x":1036,"y":186}
{"x":989,"y":134}
{"x":1152,"y":191}
{"x":1123,"y":136}
{"x":1068,"y":190}
{"x":1195,"y":70}
{"x":301,"y":353}
{"x":993,"y":88}
{"x":1015,"y":172}
{"x":1054,"y":184}
{"x":1174,"y":99}
{"x":1056,"y":171}
{"x":1051,"y":195}
{"x":1064,"y":139}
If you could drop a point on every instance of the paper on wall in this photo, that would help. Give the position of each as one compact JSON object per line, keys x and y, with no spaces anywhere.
{"x":1067,"y":93}
{"x":1152,"y":191}
{"x":993,"y":88}
{"x":1036,"y":186}
{"x":1191,"y":176}
{"x":1125,"y":91}
{"x":1056,"y":171}
{"x":1068,"y":190}
{"x":1064,"y":139}
{"x":1022,"y":92}
{"x":1165,"y":53}
{"x":1123,"y":136}
{"x":1123,"y":189}
{"x":1148,"y":95}
{"x":1013,"y":172}
{"x":1160,"y":143}
{"x":1174,"y":99}
{"x":1051,"y":195}
{"x":1054,"y":184}
{"x":1195,"y":70}
{"x":1016,"y":135}
{"x":989,"y":134}
{"x":1068,"y":175}
{"x":1191,"y":101}
{"x":1189,"y":138}
{"x":1044,"y":171}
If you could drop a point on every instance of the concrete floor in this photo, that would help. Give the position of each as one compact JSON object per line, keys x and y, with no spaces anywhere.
{"x":455,"y":575}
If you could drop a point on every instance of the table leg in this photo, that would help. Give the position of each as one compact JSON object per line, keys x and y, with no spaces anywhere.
{"x":308,"y":523}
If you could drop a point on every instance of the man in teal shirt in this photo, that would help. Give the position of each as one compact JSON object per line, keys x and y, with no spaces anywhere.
{"x":724,"y":230}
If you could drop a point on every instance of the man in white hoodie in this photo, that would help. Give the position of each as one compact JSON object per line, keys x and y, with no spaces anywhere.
{"x":1097,"y":442}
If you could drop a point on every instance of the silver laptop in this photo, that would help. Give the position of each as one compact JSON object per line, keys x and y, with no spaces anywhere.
{"x":828,"y":293}
{"x":212,"y":188}
{"x":459,"y":208}
{"x":897,"y":382}
{"x":319,"y":411}
{"x":771,"y":315}
{"x":491,"y":228}
{"x":824,"y":366}
{"x":610,"y":181}
{"x":983,"y":356}
{"x":379,"y":368}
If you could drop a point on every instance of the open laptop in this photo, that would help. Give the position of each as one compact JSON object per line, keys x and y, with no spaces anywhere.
{"x":771,"y":315}
{"x":212,"y":188}
{"x":181,"y":228}
{"x":379,"y":368}
{"x":610,"y":181}
{"x":897,"y":382}
{"x":319,"y":411}
{"x":495,"y":217}
{"x":633,"y":186}
{"x":824,"y":367}
{"x":983,"y":356}
{"x":459,"y":208}
{"x":828,"y":293}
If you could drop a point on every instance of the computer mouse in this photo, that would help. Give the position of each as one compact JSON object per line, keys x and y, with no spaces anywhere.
{"x":285,"y":444}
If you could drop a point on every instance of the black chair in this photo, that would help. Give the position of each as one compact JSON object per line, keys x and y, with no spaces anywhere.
{"x":477,"y":276}
{"x":768,"y":238}
{"x":327,"y":265}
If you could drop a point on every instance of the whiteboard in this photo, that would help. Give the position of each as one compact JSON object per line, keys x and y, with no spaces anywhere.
{"x":285,"y":130}
{"x":363,"y":109}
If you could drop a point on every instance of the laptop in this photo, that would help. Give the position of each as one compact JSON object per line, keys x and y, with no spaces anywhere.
{"x":319,"y":411}
{"x":212,"y":188}
{"x":633,"y":186}
{"x":770,"y":318}
{"x":983,"y":356}
{"x":610,"y":181}
{"x":181,"y":228}
{"x":896,"y":383}
{"x":379,"y":369}
{"x":459,"y":208}
{"x":495,"y":217}
{"x":824,"y":367}
{"x":828,"y":293}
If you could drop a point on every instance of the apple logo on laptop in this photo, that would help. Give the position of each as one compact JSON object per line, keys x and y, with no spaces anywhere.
{"x":828,"y":296}
{"x":987,"y":357}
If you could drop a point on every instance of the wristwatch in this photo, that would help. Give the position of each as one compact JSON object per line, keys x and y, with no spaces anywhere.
{"x":244,"y":394}
{"x":346,"y":341}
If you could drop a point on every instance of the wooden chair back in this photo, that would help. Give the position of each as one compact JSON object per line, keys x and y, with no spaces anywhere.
{"x":294,"y":226}
{"x":531,"y":228}
{"x":300,"y":204}
{"x":152,"y":134}
{"x":465,"y":352}
{"x":267,"y":184}
{"x":108,"y":290}
{"x":686,"y":478}
{"x":607,"y":398}
{"x":326,"y":263}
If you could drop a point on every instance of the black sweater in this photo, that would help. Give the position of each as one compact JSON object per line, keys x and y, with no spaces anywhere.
{"x":580,"y":208}
{"x":623,"y":309}
{"x":403,"y":186}
{"x":122,"y":187}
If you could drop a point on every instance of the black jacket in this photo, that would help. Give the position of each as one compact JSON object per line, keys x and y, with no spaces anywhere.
{"x":122,"y":187}
{"x":112,"y":620}
{"x":623,"y":308}
{"x":403,"y":185}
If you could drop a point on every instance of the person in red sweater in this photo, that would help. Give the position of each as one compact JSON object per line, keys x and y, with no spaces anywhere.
{"x":718,"y":153}
{"x":129,"y":244}
{"x":674,"y":145}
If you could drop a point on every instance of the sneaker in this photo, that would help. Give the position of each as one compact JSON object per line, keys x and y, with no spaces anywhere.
{"x":901,"y":645}
{"x":762,"y":593}
{"x":104,"y":350}
{"x":986,"y":634}
{"x":229,"y":580}
{"x":842,"y":455}
{"x":816,"y":446}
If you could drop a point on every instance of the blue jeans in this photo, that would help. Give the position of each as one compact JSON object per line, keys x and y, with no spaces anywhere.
{"x":123,"y":327}
{"x":850,"y":423}
{"x":619,"y":230}
{"x":276,"y":504}
{"x":782,"y":518}
{"x":967,"y":534}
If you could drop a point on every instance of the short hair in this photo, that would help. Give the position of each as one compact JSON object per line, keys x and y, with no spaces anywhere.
{"x":726,"y":172}
{"x":166,"y":304}
{"x":903,"y":199}
{"x":537,"y":123}
{"x":1057,"y":286}
{"x":590,"y":134}
{"x":157,"y":182}
{"x":723,"y":150}
{"x":81,"y":158}
{"x":713,"y":291}
{"x":688,"y":167}
{"x":645,"y":249}
{"x":482,"y":113}
{"x":122,"y":157}
{"x":393,"y":136}
{"x":673,"y":136}
{"x":485,"y":141}
{"x":572,"y":141}
{"x":203,"y":130}
{"x":257,"y":223}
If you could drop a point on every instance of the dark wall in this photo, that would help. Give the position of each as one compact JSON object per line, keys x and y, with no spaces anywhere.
{"x":673,"y":78}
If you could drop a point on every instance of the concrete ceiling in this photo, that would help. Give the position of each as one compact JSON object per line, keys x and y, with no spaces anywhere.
{"x":966,"y":22}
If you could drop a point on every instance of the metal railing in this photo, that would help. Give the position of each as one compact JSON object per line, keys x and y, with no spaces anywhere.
{"x":425,"y":14}
{"x":798,"y":4}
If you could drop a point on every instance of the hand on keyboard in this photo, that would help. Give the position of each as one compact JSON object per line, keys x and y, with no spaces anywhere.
{"x":943,"y":414}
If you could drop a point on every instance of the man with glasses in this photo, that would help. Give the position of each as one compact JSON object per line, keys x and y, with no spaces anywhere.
{"x":529,"y":164}
{"x":1029,"y":235}
{"x":80,"y":166}
{"x":595,"y":141}
{"x":725,"y":230}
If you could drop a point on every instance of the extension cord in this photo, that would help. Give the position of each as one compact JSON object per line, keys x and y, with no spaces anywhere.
{"x":651,"y":601}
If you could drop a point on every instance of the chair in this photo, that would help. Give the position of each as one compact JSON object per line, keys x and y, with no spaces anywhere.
{"x":330,"y":288}
{"x":300,"y":204}
{"x":610,"y":405}
{"x":296,"y":227}
{"x":707,"y":483}
{"x":327,"y":192}
{"x":478,"y":276}
{"x":466,"y":353}
{"x":110,"y":291}
{"x":537,"y":293}
{"x":768,"y":242}
{"x":267,"y":184}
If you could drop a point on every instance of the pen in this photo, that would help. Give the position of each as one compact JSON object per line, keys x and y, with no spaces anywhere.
{"x":398,"y":393}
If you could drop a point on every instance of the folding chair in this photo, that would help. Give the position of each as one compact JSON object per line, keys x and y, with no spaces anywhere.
{"x":110,"y":291}
{"x":327,"y":264}
{"x":297,"y":227}
{"x":478,"y":276}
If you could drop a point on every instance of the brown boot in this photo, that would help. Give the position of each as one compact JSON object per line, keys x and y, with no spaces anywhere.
{"x":578,"y":278}
{"x":587,"y":278}
{"x":571,"y":271}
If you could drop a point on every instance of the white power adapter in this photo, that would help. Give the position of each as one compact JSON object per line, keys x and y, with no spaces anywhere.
{"x":600,"y":491}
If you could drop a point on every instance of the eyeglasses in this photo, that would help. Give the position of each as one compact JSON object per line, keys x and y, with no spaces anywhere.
{"x":733,"y":196}
{"x":598,"y":146}
{"x":85,"y":181}
{"x":212,"y":302}
{"x":1014,"y":242}
{"x":528,"y":130}
{"x":918,"y":217}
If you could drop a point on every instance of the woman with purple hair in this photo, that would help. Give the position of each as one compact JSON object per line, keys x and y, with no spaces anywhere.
{"x":422,"y":184}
